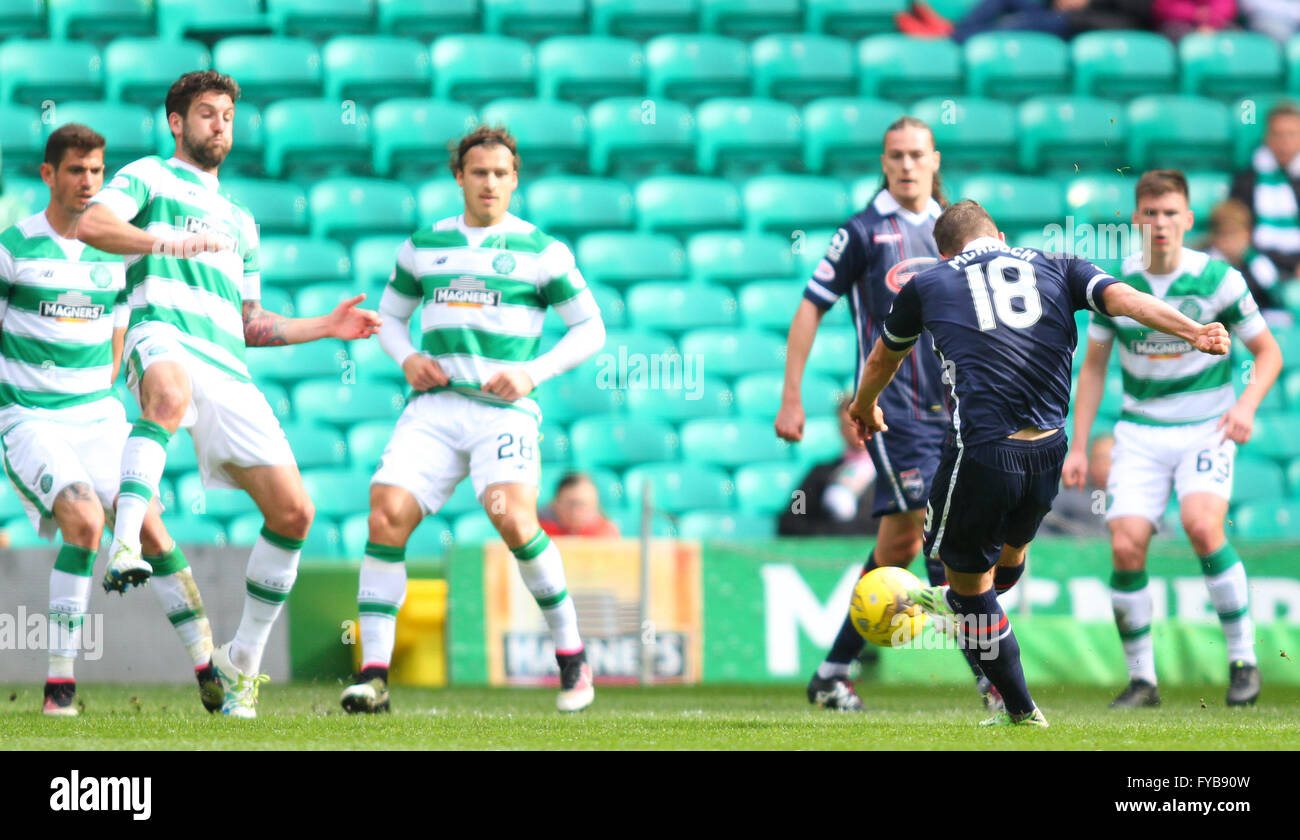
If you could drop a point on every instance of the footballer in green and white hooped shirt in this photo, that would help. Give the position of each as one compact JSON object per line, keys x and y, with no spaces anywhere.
{"x":482,"y":282}
{"x":63,"y":316}
{"x":1180,"y":425}
{"x":193,"y":284}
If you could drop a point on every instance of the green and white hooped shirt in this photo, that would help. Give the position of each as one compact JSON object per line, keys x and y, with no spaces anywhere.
{"x":1166,"y":381}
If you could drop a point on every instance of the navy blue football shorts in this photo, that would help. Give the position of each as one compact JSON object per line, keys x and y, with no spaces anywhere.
{"x":906,"y":458}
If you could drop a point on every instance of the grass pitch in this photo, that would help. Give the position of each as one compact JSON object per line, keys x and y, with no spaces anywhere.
{"x":302,"y":716}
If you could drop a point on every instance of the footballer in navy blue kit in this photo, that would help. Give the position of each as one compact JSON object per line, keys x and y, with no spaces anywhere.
{"x":1002,"y":321}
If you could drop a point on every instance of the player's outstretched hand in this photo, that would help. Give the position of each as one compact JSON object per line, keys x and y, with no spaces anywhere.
{"x":1213,"y":339}
{"x":1074,"y":472}
{"x":868,"y":418}
{"x":509,"y":384}
{"x":193,"y":245}
{"x":789,"y":422}
{"x":349,"y":323}
{"x":1237,"y":424}
{"x":423,"y":373}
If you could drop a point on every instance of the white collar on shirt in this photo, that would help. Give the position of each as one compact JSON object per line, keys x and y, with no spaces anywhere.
{"x":985,"y":242}
{"x":207,"y":178}
{"x":886,"y":204}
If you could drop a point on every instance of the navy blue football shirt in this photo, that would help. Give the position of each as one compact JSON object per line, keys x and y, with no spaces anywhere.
{"x":876,"y":253}
{"x":1003,"y":325}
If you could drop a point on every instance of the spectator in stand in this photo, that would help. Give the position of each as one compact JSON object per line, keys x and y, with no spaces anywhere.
{"x":1278,"y":19}
{"x":1230,"y":242}
{"x":836,"y":495}
{"x":1271,"y":189}
{"x":1063,"y":18}
{"x":575,"y":511}
{"x":1176,"y":18}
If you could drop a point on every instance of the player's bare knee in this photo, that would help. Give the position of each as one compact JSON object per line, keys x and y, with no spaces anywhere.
{"x":1206,"y":537}
{"x":1129,"y":553}
{"x":165,"y":405}
{"x":83,"y":525}
{"x":516,"y":528}
{"x":293,"y":519}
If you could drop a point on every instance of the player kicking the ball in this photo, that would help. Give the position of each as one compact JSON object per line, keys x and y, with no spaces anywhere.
{"x":194,"y":287}
{"x":1180,"y":425}
{"x":482,"y":282}
{"x":1003,"y":324}
{"x":63,"y":315}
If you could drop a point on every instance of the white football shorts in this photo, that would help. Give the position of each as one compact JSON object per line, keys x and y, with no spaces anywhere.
{"x":1148,"y":460}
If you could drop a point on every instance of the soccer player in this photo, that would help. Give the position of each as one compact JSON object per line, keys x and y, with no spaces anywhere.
{"x":194,"y":289}
{"x":1003,"y":325}
{"x":63,"y":316}
{"x":482,"y":282}
{"x":870,"y":258}
{"x":1179,"y":426}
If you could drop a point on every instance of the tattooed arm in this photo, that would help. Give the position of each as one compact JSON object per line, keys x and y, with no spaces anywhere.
{"x":267,"y":329}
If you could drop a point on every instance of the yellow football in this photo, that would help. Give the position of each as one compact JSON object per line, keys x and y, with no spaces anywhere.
{"x":881,"y":610}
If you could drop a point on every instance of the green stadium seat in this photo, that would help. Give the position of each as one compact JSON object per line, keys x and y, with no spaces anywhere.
{"x":1292,"y":50}
{"x":571,"y":205}
{"x":411,"y":135}
{"x":1290,"y":385}
{"x":179,"y":19}
{"x":426,"y":19}
{"x":442,"y":198}
{"x":270,"y":68}
{"x":366,"y":360}
{"x":373,"y":260}
{"x":723,"y":525}
{"x":328,"y":401}
{"x":733,"y":259}
{"x":783,"y":204}
{"x":844,"y":135}
{"x":129,"y":129}
{"x":476,"y":68}
{"x":694,"y":67}
{"x":1119,"y":64}
{"x":1101,"y":199}
{"x":337,"y":492}
{"x":37,"y":72}
{"x":972,"y":133}
{"x":1207,"y":189}
{"x":278,"y":301}
{"x":1256,"y":480}
{"x":586,"y":68}
{"x":316,"y":446}
{"x":1014,"y":65}
{"x":11,"y":505}
{"x":22,"y":19}
{"x":759,"y":394}
{"x":347,"y":209}
{"x":629,"y":523}
{"x":822,"y":441}
{"x":554,"y":447}
{"x":552,"y":135}
{"x":22,"y":535}
{"x":953,"y":10}
{"x":473,"y":528}
{"x":193,"y":499}
{"x":280,"y":207}
{"x":732,"y":353}
{"x":429,"y":539}
{"x":1293,"y":478}
{"x":612,"y":309}
{"x":188,"y":531}
{"x":1268,"y":520}
{"x":685,"y":204}
{"x":900,"y":68}
{"x":834,"y":352}
{"x":770,"y":304}
{"x":140,"y":71}
{"x":324,"y":540}
{"x":679,"y":487}
{"x":676,"y":307}
{"x":31,"y":194}
{"x":278,"y":398}
{"x":796,"y":68}
{"x":621,"y":344}
{"x":747,"y":134}
{"x":299,"y":260}
{"x":244,"y":530}
{"x":864,"y":190}
{"x":293,"y":362}
{"x":462,"y":500}
{"x":180,"y":454}
{"x":305,"y":137}
{"x":618,"y":258}
{"x":1181,"y":132}
{"x":1017,"y":202}
{"x":680,"y":400}
{"x":22,"y":139}
{"x":749,"y":18}
{"x":369,"y":68}
{"x":1249,"y":121}
{"x":642,"y":19}
{"x":1065,"y":132}
{"x":534,"y":19}
{"x":366,"y":443}
{"x":731,"y":441}
{"x":577,"y":393}
{"x":1288,"y":338}
{"x":634,"y":137}
{"x":1227,"y":64}
{"x":128,"y":402}
{"x":321,"y":300}
{"x":852,"y":18}
{"x":616,"y":442}
{"x":319,"y":19}
{"x":99,"y":20}
{"x":766,"y":488}
{"x":246,"y":155}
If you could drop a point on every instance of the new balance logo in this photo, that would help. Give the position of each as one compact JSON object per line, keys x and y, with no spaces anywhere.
{"x":132,"y":794}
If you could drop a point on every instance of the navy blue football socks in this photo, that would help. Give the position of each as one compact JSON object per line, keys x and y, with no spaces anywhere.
{"x":986,"y":630}
{"x":848,"y":643}
{"x":1006,"y":576}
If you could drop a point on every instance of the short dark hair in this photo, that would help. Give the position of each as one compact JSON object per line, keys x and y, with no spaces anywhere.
{"x":1230,"y":213}
{"x":1159,"y":182}
{"x":960,"y":223}
{"x":187,"y":88}
{"x":83,"y":138}
{"x":572,"y":479}
{"x":484,"y":135}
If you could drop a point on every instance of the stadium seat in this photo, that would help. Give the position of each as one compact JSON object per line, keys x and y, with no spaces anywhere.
{"x":476,"y":68}
{"x":796,"y":68}
{"x":140,"y":71}
{"x":765,"y":488}
{"x":180,"y":454}
{"x":1014,"y":65}
{"x":343,"y":405}
{"x":349,"y":208}
{"x":1182,"y":132}
{"x":731,"y":441}
{"x":693,"y":67}
{"x":677,"y":307}
{"x":129,"y":129}
{"x":642,"y":19}
{"x":749,"y":18}
{"x":1256,"y":480}
{"x":1207,"y":189}
{"x":320,"y":300}
{"x":425,"y":20}
{"x":783,"y":204}
{"x":443,"y":198}
{"x":278,"y":398}
{"x":1017,"y":202}
{"x":299,"y":260}
{"x":576,"y":394}
{"x":554,"y":447}
{"x":629,"y":523}
{"x":1250,"y":119}
{"x":586,"y":68}
{"x":366,"y":443}
{"x":369,"y":68}
{"x":1268,"y":519}
{"x":903,"y":69}
{"x":725,"y":525}
{"x":279,"y":207}
{"x":822,"y":441}
{"x":834,"y":352}
{"x":40,"y":72}
{"x":679,"y":400}
{"x":99,"y":20}
{"x":22,"y":535}
{"x":11,"y":505}
{"x":534,"y":19}
{"x":270,"y":68}
{"x":616,"y":442}
{"x":366,"y":360}
{"x":294,"y":362}
{"x":634,"y":137}
{"x":685,"y":204}
{"x":319,"y":19}
{"x":852,"y":18}
{"x":473,"y":528}
{"x":732,"y":353}
{"x":679,"y":487}
{"x":31,"y":194}
{"x":373,"y":259}
{"x":324,"y":540}
{"x":1274,"y":437}
{"x":1228,"y":64}
{"x":1071,"y":132}
{"x":1293,"y":477}
{"x":337,"y":492}
{"x":22,"y":19}
{"x":187,"y":531}
{"x":759,"y":394}
{"x":1292,"y":50}
{"x":278,"y":301}
{"x":612,"y":309}
{"x":1101,"y":199}
{"x":770,"y":304}
{"x":22,"y":139}
{"x":193,"y":499}
{"x":844,"y":135}
{"x":748,"y":134}
{"x":305,"y":137}
{"x":733,"y":259}
{"x":618,"y":258}
{"x":1119,"y":64}
{"x":972,"y":133}
{"x":316,"y":446}
{"x":246,"y":155}
{"x":411,"y":135}
{"x":622,"y":345}
{"x":179,"y":19}
{"x":571,"y":205}
{"x":552,"y":135}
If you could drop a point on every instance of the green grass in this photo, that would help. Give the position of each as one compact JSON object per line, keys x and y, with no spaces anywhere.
{"x":304,"y":716}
